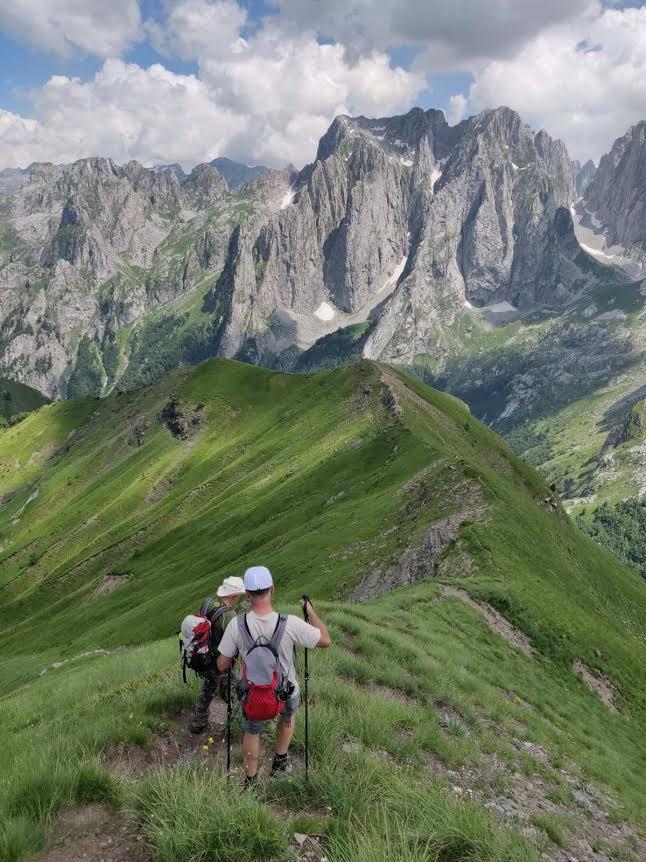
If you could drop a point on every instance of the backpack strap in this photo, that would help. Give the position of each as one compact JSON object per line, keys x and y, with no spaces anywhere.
{"x":206,"y":604}
{"x":217,"y":614}
{"x":217,"y":631}
{"x":279,"y":631}
{"x":245,"y":634}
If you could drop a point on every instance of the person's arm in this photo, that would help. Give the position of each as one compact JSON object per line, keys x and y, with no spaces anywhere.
{"x":224,"y":662}
{"x":314,"y":620}
{"x":227,"y":647}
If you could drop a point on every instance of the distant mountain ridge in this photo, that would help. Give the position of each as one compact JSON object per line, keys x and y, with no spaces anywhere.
{"x":235,"y":173}
{"x":410,"y":215}
{"x":87,"y":249}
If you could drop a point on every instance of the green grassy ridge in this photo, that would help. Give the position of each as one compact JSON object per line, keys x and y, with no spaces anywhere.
{"x":323,"y":477}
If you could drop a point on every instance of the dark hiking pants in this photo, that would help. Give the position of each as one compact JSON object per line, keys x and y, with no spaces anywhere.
{"x":214,"y":683}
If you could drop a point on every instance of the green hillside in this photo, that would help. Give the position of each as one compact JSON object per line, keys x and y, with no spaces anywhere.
{"x":16,"y":399}
{"x":485,"y":696}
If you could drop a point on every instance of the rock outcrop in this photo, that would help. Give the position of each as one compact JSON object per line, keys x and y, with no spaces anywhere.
{"x":617,"y":194}
{"x":583,"y":175}
{"x":405,"y":219}
{"x":87,"y":249}
{"x":400,"y":221}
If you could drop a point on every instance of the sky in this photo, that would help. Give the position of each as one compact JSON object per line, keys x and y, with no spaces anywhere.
{"x":165,"y":81}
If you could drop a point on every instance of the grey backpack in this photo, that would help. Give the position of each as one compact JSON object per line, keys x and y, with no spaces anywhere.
{"x":263,"y":688}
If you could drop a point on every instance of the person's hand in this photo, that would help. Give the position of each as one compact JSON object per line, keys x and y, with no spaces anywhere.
{"x":306,"y":605}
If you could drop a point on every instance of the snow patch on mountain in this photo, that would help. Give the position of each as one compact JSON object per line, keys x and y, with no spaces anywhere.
{"x":325,"y":312}
{"x":288,"y":199}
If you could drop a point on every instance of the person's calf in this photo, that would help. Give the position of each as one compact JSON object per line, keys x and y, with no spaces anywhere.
{"x":250,"y":752}
{"x":284,"y":734}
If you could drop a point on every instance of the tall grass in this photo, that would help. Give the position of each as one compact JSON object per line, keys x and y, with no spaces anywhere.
{"x":190,"y":815}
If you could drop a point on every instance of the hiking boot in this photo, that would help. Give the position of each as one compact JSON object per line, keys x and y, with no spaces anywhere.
{"x":251,"y":783}
{"x":197,"y":725}
{"x":280,"y":765}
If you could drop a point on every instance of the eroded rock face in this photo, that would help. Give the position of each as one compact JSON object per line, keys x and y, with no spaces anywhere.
{"x":399,"y":220}
{"x":583,"y":175}
{"x":409,"y":214}
{"x":617,"y":194}
{"x":87,"y":249}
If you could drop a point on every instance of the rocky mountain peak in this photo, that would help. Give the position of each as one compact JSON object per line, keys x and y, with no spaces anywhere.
{"x":616,"y":196}
{"x":397,"y":136}
{"x":204,"y":184}
{"x":583,"y":175}
{"x":398,"y":224}
{"x":399,"y":218}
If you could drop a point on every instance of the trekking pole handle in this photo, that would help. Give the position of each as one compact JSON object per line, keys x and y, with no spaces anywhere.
{"x":306,"y":599}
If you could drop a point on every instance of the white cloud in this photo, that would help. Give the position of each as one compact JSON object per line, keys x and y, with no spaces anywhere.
{"x":267,"y":99}
{"x":273,"y":74}
{"x":457,"y":108}
{"x":584,"y":82}
{"x":102,"y":27}
{"x":195,"y":29}
{"x":455,"y":33}
{"x":126,"y":112}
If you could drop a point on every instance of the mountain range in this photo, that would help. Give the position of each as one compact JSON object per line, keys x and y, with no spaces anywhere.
{"x":484,"y":696}
{"x":478,"y":255}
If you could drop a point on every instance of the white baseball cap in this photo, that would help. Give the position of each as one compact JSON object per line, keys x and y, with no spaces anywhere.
{"x":257,"y":578}
{"x":231,"y":587}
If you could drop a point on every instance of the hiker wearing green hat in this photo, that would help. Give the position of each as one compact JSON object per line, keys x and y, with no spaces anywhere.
{"x":219,"y":613}
{"x":265,"y":640}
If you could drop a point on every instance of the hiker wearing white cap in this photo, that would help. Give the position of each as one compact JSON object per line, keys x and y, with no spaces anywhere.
{"x":220,"y":613}
{"x":262,"y":626}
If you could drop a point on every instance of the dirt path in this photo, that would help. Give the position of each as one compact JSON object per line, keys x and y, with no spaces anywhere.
{"x":494,"y":619}
{"x":92,"y":833}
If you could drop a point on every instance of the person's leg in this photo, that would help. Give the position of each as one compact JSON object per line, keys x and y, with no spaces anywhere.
{"x":250,"y":753}
{"x":251,"y":749}
{"x":284,"y":734}
{"x":200,"y":717}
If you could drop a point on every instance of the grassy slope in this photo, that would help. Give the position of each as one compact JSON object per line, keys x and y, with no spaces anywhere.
{"x":309,"y":474}
{"x":573,"y":366}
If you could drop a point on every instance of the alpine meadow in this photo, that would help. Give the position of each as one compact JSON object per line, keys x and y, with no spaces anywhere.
{"x":322,"y":431}
{"x":501,"y":682}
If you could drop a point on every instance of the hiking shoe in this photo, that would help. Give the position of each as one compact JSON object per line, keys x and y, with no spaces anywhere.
{"x":251,"y":783}
{"x":196,"y":725}
{"x":280,"y":766}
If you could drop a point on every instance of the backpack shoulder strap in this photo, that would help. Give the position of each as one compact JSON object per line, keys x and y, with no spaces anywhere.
{"x":245,"y":634}
{"x":218,"y":613}
{"x":279,"y":631}
{"x":217,"y":627}
{"x":206,"y":604}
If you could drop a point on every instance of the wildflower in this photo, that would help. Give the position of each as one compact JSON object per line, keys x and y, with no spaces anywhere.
{"x":210,"y":740}
{"x":205,"y":748}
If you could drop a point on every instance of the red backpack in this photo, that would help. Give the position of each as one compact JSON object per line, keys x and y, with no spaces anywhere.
{"x":196,"y":642}
{"x":263,"y":688}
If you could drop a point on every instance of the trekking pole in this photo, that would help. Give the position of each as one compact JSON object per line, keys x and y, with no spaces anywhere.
{"x":228,"y":724}
{"x":307,"y":678}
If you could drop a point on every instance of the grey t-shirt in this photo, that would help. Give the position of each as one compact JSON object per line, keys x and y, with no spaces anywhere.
{"x":297,"y":633}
